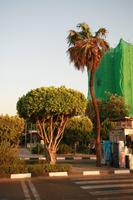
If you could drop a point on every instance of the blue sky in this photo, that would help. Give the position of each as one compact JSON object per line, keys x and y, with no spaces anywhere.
{"x":33,"y":42}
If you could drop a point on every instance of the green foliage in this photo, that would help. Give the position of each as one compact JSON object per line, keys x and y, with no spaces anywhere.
{"x":106,"y":126}
{"x":113,"y":107}
{"x":38,"y":149}
{"x":41,"y":169}
{"x":57,"y":168}
{"x":33,"y":161}
{"x":78,"y":129}
{"x":17,"y":166}
{"x":10,"y":131}
{"x":82,"y":149}
{"x":36,"y":169}
{"x":8,"y":153}
{"x":64,"y":149}
{"x":50,"y":108}
{"x":11,"y":128}
{"x":46,"y":101}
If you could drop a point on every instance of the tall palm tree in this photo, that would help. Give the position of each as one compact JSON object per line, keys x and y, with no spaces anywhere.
{"x":86,"y":50}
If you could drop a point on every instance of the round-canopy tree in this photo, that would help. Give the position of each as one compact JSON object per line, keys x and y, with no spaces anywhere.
{"x":78,"y":130}
{"x":50,"y":108}
{"x":86,"y":50}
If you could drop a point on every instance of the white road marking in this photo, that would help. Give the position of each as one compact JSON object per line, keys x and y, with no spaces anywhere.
{"x":116,"y":198}
{"x":25,"y":190}
{"x":103,"y":181}
{"x":34,"y":191}
{"x":108,"y":189}
{"x":108,"y":192}
{"x":106,"y":186}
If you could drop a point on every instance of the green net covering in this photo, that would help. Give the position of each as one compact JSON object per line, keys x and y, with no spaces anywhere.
{"x":115,"y":73}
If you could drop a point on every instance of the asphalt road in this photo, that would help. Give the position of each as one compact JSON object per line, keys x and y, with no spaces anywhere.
{"x":109,"y":187}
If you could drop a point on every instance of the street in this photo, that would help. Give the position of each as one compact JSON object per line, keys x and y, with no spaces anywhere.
{"x":109,"y":187}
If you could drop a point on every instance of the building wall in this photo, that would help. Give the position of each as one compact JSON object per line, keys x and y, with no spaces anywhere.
{"x":115,"y":73}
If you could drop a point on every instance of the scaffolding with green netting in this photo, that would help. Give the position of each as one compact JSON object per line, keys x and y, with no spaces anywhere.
{"x":115,"y":73}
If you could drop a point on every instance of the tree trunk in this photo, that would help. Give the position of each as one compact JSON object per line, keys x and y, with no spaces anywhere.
{"x":94,"y":101}
{"x":51,"y":155}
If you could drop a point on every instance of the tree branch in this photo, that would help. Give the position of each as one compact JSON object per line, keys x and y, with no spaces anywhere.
{"x":42,"y":130}
{"x":60,"y":130}
{"x":51,"y":130}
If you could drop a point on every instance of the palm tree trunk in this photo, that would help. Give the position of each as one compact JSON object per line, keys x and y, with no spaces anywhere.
{"x":94,"y":101}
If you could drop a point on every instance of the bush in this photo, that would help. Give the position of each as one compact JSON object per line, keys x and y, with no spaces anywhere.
{"x":18,"y":166}
{"x":8,"y":153}
{"x":36,"y":170}
{"x":41,"y":169}
{"x":57,"y":168}
{"x":38,"y":149}
{"x":15,"y":168}
{"x":82,"y":149}
{"x":35,"y":161}
{"x":64,"y":149}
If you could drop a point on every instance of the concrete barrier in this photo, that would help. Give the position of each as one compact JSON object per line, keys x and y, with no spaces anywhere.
{"x":58,"y":174}
{"x":25,"y":175}
{"x":85,"y":173}
{"x":124,"y":171}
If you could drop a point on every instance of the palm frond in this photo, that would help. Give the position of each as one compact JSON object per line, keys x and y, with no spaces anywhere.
{"x":101,"y":32}
{"x":73,"y":37}
{"x":86,"y":50}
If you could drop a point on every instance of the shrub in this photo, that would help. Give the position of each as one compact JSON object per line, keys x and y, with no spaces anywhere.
{"x":64,"y":149}
{"x":8,"y":153}
{"x":41,"y":169}
{"x":38,"y":149}
{"x":36,"y":170}
{"x":16,"y":167}
{"x":82,"y":149}
{"x":57,"y":168}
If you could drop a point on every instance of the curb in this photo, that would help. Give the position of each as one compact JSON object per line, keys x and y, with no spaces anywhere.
{"x":105,"y":172}
{"x":63,"y":158}
{"x":83,"y":173}
{"x":125,"y":171}
{"x":86,"y":173}
{"x":17,"y":176}
{"x":51,"y":174}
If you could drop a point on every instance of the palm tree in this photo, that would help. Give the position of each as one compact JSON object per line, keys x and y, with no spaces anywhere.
{"x":87,"y":50}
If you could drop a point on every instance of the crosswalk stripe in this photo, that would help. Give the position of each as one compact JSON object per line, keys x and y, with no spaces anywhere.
{"x":108,"y":192}
{"x":103,"y":181}
{"x":116,"y":198}
{"x":106,"y":186}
